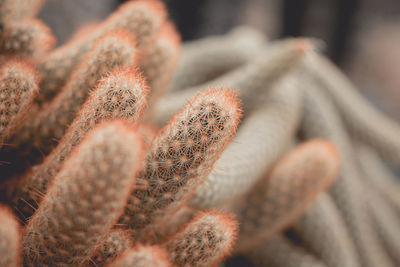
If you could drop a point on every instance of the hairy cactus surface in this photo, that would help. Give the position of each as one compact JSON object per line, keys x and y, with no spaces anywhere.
{"x":83,"y":203}
{"x":182,"y":155}
{"x":203,"y":241}
{"x":279,"y":199}
{"x":251,"y":154}
{"x":27,"y":37}
{"x":97,"y":176}
{"x":115,"y":50}
{"x":117,"y":242}
{"x":120,"y":95}
{"x":18,"y":88}
{"x":10,"y":239}
{"x":143,"y":256}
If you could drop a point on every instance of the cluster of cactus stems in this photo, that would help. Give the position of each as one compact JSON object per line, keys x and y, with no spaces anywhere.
{"x":123,"y":147}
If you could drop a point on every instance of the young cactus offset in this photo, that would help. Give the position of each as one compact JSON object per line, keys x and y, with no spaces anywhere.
{"x":122,"y":94}
{"x":10,"y":239}
{"x":143,"y":256}
{"x":18,"y":88}
{"x":204,"y":241}
{"x":86,"y":198}
{"x":279,"y":199}
{"x":181,"y":156}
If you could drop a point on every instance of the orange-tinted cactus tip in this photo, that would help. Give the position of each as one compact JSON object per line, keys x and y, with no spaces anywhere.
{"x":169,"y":32}
{"x":226,"y":98}
{"x":143,"y":256}
{"x":120,"y":34}
{"x":22,"y":65}
{"x":10,"y":238}
{"x":305,"y":45}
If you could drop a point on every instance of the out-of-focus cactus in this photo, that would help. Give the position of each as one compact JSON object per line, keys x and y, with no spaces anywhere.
{"x":142,"y":18}
{"x":279,"y":199}
{"x":18,"y":88}
{"x":84,"y":202}
{"x":251,"y":154}
{"x":143,"y":256}
{"x":204,"y":241}
{"x":181,"y":156}
{"x":279,"y":252}
{"x":334,"y":246}
{"x":10,"y":239}
{"x":27,"y":38}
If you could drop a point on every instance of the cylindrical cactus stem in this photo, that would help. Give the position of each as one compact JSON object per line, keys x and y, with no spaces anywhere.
{"x":361,"y":118}
{"x":160,"y":59}
{"x":143,"y":256}
{"x":142,"y":18}
{"x":116,"y":243}
{"x":12,"y":10}
{"x":379,"y":175}
{"x":86,"y":198}
{"x":27,"y":38}
{"x":246,"y":160}
{"x":278,"y":252}
{"x":18,"y":88}
{"x":10,"y":239}
{"x":283,"y":196}
{"x":157,"y":233}
{"x":204,"y":241}
{"x":321,"y":119}
{"x":122,"y":94}
{"x":115,"y":50}
{"x":323,"y":231}
{"x":249,"y":80}
{"x":181,"y":156}
{"x":206,"y":59}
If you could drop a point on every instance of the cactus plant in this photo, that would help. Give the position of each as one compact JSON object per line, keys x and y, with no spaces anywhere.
{"x":290,"y":188}
{"x":122,"y":94}
{"x":143,"y":256}
{"x":18,"y":88}
{"x":83,"y":203}
{"x":181,"y":156}
{"x":203,"y":241}
{"x":10,"y":239}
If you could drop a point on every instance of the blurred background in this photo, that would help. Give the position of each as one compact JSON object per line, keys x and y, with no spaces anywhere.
{"x":361,"y":36}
